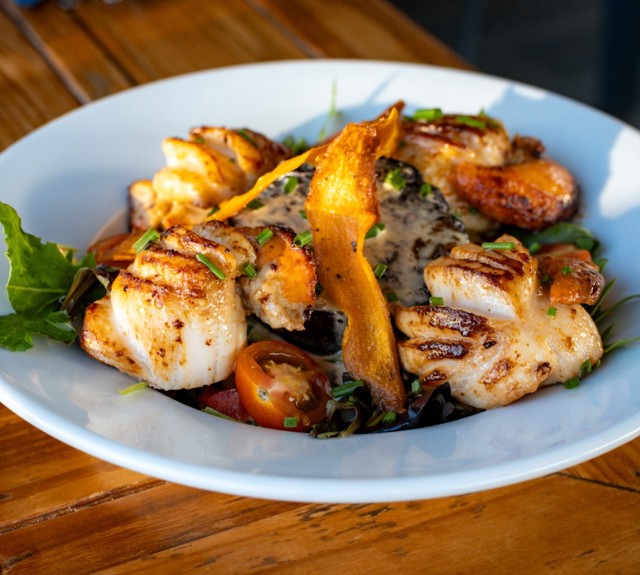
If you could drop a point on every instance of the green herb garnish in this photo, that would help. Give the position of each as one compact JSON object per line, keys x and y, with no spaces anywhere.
{"x":247,"y":136}
{"x":249,"y":270}
{"x":264,"y":236}
{"x":391,"y":297}
{"x":435,"y":300}
{"x":472,"y":122}
{"x":374,"y":231}
{"x":290,"y":185}
{"x":145,"y":239}
{"x":499,"y":245}
{"x":290,"y":422}
{"x":346,"y":389}
{"x":303,"y":239}
{"x":135,"y":387}
{"x":213,"y":267}
{"x":255,"y":204}
{"x":297,"y":146}
{"x":425,"y":190}
{"x":41,"y":275}
{"x":428,"y":114}
{"x":571,"y":383}
{"x":379,"y":270}
{"x":395,"y":179}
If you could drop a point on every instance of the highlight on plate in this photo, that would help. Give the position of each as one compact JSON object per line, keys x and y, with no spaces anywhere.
{"x":407,"y":271}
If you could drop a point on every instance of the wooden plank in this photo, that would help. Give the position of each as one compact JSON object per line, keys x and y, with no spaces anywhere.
{"x":42,"y":477}
{"x":555,"y":524}
{"x":30,"y":94}
{"x":334,"y":28}
{"x":160,"y":38}
{"x":620,"y":467}
{"x":61,"y":37}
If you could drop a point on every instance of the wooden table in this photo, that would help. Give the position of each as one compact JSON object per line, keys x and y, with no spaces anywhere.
{"x":62,"y":511}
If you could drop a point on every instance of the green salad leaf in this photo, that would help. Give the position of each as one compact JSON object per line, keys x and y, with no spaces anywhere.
{"x":41,"y":275}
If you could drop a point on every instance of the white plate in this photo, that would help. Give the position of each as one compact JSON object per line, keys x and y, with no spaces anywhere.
{"x":69,"y":177}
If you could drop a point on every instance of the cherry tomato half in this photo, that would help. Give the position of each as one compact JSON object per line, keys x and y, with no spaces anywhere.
{"x":281,"y":386}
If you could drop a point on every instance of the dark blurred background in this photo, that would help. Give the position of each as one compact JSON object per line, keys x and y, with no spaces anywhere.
{"x":588,"y":50}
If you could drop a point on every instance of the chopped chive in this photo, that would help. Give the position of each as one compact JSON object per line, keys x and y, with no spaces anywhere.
{"x":552,"y":311}
{"x":391,"y":297}
{"x":135,"y":387}
{"x":213,"y":267}
{"x":389,"y":417}
{"x":247,"y":136}
{"x":249,"y":270}
{"x":473,"y":211}
{"x":435,"y":300}
{"x":472,"y":122}
{"x":428,"y":114}
{"x":395,"y":179}
{"x":255,"y":204}
{"x":217,"y":413}
{"x":346,"y":389}
{"x":567,"y":270}
{"x":319,"y":289}
{"x":199,"y":140}
{"x":303,"y":239}
{"x":499,"y":245}
{"x":303,"y":214}
{"x":290,"y":422}
{"x":416,"y":386}
{"x":379,"y":270}
{"x":264,"y":236}
{"x":374,"y":231}
{"x":585,"y":368}
{"x":534,"y":248}
{"x":571,"y":383}
{"x":425,"y":190}
{"x":145,"y":239}
{"x":213,"y":210}
{"x":290,"y":185}
{"x":545,"y":279}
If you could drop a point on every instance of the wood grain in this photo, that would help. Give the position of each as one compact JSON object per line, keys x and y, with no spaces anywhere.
{"x":539,"y":526}
{"x":160,"y":38}
{"x":63,"y":511}
{"x":42,"y":477}
{"x":370,"y":29}
{"x":61,"y":38}
{"x":30,"y":94}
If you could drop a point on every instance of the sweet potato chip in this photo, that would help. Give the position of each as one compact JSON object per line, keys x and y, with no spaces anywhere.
{"x":342,"y":205}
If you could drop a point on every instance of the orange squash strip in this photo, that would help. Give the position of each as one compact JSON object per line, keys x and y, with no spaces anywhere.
{"x":342,"y":205}
{"x":233,"y":205}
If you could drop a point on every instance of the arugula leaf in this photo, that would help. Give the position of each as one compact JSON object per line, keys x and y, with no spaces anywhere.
{"x":41,"y":275}
{"x":16,"y":330}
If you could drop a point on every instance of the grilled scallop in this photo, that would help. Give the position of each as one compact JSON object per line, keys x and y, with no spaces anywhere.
{"x":436,"y":146}
{"x":280,"y":289}
{"x":213,"y":165}
{"x":530,"y":190}
{"x":494,"y":339}
{"x":168,"y":319}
